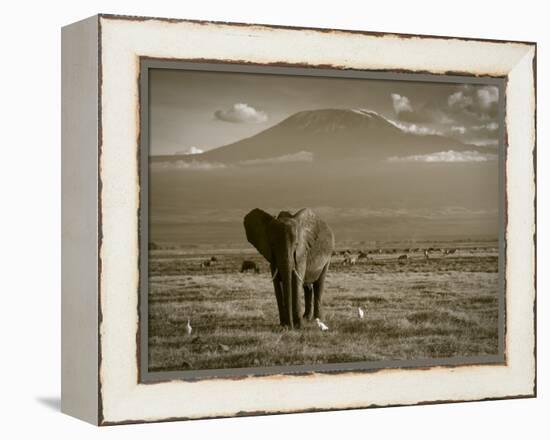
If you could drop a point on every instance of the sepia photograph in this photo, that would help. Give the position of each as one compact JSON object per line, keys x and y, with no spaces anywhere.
{"x":321,"y":222}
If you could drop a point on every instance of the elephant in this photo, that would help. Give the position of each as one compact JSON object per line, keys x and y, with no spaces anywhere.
{"x":298,"y":248}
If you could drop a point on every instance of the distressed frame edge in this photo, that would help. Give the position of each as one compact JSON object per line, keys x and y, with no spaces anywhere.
{"x":142,"y":18}
{"x":532,"y":52}
{"x":100,"y":413}
{"x":104,"y":422}
{"x":535,"y":201}
{"x":316,"y":410}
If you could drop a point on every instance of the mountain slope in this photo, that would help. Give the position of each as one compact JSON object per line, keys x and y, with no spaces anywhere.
{"x":331,"y":134}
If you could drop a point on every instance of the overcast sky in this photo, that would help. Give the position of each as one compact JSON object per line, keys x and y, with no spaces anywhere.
{"x":193,"y":111}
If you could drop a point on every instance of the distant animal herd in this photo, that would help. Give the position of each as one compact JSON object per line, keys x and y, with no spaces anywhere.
{"x":351,"y":258}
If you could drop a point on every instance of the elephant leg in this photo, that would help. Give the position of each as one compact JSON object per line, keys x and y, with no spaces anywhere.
{"x":318,"y":287}
{"x":280,"y":304}
{"x":296,"y":312}
{"x":308,"y":299}
{"x":279,"y":296}
{"x":287,"y":284}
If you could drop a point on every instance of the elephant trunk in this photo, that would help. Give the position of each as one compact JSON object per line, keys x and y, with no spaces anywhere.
{"x":286,"y":270}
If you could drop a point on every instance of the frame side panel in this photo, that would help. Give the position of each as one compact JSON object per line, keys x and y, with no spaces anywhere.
{"x":79,"y":182}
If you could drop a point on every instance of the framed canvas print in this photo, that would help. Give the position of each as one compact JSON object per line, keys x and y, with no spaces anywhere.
{"x":263,"y":220}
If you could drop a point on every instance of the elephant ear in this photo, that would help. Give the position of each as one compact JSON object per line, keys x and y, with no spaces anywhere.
{"x":256,"y":226}
{"x":316,"y":235}
{"x":284,"y":214}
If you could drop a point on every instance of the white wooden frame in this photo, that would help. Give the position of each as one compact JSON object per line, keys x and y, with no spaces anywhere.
{"x":100,"y":135}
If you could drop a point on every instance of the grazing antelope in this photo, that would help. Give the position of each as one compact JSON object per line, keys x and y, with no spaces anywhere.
{"x":362,"y":255}
{"x":402,"y":258}
{"x":350,"y":260}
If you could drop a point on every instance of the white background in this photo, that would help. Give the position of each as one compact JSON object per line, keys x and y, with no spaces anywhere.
{"x":30,"y":217}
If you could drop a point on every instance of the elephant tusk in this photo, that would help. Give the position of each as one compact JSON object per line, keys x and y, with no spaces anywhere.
{"x":298,"y":275}
{"x":295,"y":272}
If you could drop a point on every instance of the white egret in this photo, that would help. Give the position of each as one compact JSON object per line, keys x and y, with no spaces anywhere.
{"x":321,"y":325}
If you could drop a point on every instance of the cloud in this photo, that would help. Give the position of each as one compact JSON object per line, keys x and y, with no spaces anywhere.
{"x":400,"y":103}
{"x":415,"y":128}
{"x":479,"y":135}
{"x":473,"y":103}
{"x":484,"y":142}
{"x":241,"y":113}
{"x":450,"y":156}
{"x":467,"y":108}
{"x":188,"y":165}
{"x":190,"y":150}
{"x":460,"y":100}
{"x":491,"y":126}
{"x":487,"y":96}
{"x":404,"y":110}
{"x":301,"y":156}
{"x":200,"y":165}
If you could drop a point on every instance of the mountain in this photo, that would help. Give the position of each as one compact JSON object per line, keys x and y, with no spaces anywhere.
{"x":329,"y":134}
{"x":361,"y":195}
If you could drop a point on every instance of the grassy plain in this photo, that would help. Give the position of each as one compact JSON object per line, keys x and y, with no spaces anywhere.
{"x":444,"y":306}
